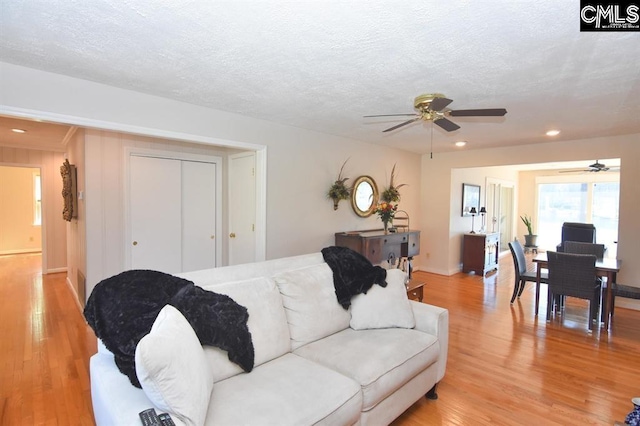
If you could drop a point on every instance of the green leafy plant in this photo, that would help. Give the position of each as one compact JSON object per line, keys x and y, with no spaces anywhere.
{"x":392,"y":193}
{"x":339,"y":190}
{"x":528,"y":223}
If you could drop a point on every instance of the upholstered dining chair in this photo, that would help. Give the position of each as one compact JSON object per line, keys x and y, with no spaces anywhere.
{"x":573,"y":275}
{"x":523,"y":274}
{"x":572,"y":231}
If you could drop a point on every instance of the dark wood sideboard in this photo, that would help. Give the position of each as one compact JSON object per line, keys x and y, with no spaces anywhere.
{"x":377,"y":246}
{"x":480,"y":252}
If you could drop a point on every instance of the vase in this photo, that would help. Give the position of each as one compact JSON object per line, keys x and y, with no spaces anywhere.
{"x":633,"y":418}
{"x":386,"y":227}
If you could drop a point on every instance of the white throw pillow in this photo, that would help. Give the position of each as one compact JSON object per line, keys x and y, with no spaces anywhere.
{"x":383,"y":307}
{"x":172,"y":368}
{"x":311,"y":305}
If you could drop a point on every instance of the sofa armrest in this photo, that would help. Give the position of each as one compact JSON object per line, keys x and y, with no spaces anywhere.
{"x":435,"y":321}
{"x":115,"y":400}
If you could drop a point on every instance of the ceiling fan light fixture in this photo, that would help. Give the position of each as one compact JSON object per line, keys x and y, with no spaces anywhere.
{"x":432,"y":107}
{"x":553,"y":132}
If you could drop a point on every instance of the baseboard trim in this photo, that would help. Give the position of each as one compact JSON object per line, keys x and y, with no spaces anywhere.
{"x":55,"y":270}
{"x":20,"y":251}
{"x":75,"y":295}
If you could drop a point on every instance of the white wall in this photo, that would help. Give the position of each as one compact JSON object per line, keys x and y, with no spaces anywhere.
{"x":460,"y":225}
{"x":437,"y":189}
{"x":301,"y":165}
{"x":18,"y":234}
{"x":76,"y":228}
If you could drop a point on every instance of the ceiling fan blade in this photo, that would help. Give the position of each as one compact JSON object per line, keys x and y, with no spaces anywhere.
{"x":390,"y":115}
{"x":439,"y":103}
{"x":574,"y":171}
{"x":446,"y":124}
{"x":402,"y":124}
{"x":490,"y":112}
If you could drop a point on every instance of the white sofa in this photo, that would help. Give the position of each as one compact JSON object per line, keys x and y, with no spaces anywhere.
{"x":311,"y":367}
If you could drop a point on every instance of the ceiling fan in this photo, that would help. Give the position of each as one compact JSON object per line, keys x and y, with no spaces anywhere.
{"x":433,"y":107}
{"x":593,"y":168}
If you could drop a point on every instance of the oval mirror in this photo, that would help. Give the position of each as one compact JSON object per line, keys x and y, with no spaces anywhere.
{"x":364,"y":196}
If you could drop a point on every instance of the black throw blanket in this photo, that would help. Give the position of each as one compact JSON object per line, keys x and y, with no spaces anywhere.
{"x":352,"y":273}
{"x":122,"y":309}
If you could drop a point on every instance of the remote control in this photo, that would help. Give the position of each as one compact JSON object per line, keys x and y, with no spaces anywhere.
{"x":165,"y":420}
{"x":149,"y":417}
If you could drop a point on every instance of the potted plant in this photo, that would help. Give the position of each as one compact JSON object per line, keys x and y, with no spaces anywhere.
{"x":339,"y":190}
{"x":529,"y":238}
{"x":392,"y":193}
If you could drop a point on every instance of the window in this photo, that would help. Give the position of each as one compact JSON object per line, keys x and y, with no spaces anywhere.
{"x":595,"y":200}
{"x":37,"y":199}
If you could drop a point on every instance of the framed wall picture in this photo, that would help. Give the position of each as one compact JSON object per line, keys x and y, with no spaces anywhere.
{"x":470,"y":198}
{"x":69,"y":191}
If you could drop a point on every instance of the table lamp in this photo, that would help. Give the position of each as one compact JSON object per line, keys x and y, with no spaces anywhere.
{"x":483,"y":212}
{"x":473,"y":212}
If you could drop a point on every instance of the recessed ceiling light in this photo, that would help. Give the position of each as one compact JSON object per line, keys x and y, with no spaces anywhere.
{"x":19,"y":130}
{"x":553,"y":132}
{"x":461,"y":143}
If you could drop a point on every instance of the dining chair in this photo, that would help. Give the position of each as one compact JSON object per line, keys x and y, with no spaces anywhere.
{"x":522,"y":274}
{"x":573,"y":275}
{"x":597,"y":250}
{"x":579,"y":247}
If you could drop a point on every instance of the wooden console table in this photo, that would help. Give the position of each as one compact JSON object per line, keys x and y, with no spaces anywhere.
{"x":480,"y":252}
{"x":377,"y":246}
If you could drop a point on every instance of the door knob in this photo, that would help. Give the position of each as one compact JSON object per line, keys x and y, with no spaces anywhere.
{"x":135,"y":243}
{"x":232,"y":235}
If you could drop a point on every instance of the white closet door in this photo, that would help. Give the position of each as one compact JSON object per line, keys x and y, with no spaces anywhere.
{"x":155,"y":208}
{"x":198,"y":216}
{"x":242,"y":208}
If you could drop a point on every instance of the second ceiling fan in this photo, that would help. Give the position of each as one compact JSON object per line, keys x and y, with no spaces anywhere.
{"x":433,"y":107}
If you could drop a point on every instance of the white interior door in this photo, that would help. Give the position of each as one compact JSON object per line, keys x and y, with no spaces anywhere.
{"x":155,"y":211}
{"x":500,"y":210}
{"x":242,"y":208}
{"x":198,"y":215}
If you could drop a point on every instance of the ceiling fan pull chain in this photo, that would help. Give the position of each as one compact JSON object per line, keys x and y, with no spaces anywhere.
{"x":431,"y":149}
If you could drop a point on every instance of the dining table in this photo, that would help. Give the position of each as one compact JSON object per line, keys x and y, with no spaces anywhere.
{"x":605,"y":267}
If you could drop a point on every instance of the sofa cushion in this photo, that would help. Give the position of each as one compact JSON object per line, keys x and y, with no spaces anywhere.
{"x":172,"y":368}
{"x":311,"y":305}
{"x":286,"y":391}
{"x":380,"y":360}
{"x":267,"y":324}
{"x":383,"y":307}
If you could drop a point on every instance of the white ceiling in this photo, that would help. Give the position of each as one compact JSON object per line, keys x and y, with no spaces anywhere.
{"x":323,"y":65}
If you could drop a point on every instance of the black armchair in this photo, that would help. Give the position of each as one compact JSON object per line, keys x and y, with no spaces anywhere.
{"x":573,"y":231}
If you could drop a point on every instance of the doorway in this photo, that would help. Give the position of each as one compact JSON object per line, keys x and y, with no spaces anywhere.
{"x":500,"y":210}
{"x":21,"y":220}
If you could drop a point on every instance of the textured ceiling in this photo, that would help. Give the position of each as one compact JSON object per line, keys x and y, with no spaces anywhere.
{"x":323,"y":65}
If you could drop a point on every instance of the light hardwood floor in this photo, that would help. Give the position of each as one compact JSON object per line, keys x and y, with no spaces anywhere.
{"x":505,"y":366}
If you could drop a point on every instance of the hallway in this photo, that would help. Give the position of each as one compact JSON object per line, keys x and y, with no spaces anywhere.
{"x":44,"y":347}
